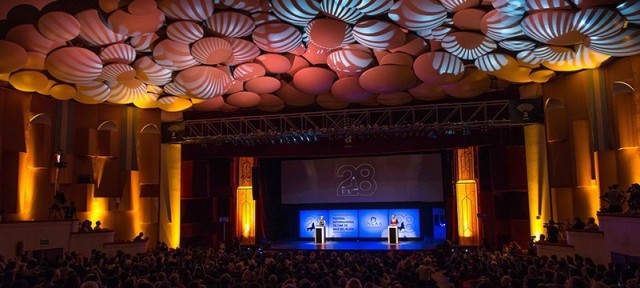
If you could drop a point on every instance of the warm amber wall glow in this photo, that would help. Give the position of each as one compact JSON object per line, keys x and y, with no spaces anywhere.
{"x":625,"y":117}
{"x":125,"y":219}
{"x":466,"y":164}
{"x":96,"y":206}
{"x":585,"y":171}
{"x":135,"y":202}
{"x":586,"y":201}
{"x":169,"y":224}
{"x":537,"y":178}
{"x":467,"y":197}
{"x":467,"y":205}
{"x":35,"y":186}
{"x":99,"y":163}
{"x":245,"y":205}
{"x":627,"y":161}
{"x":246,"y":214}
{"x":245,"y":173}
{"x":26,"y":185}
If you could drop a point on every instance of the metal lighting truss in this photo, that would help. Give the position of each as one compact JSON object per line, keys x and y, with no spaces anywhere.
{"x":420,"y":120}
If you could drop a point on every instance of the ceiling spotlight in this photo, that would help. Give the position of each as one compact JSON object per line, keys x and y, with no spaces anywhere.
{"x":449,"y":132}
{"x":465,"y":131}
{"x":433,"y":134}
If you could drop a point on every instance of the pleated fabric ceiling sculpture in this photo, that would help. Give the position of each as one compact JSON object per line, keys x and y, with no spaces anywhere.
{"x":272,"y":54}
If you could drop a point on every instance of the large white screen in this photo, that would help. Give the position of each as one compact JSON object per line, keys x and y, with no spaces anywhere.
{"x":402,"y":178}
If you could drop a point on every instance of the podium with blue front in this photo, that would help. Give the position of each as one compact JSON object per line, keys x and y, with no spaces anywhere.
{"x":393,"y":235}
{"x":319,"y":235}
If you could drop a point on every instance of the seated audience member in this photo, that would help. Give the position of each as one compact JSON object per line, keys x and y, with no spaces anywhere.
{"x":615,"y":198}
{"x":70,"y":211}
{"x":98,"y":226}
{"x":591,"y":224}
{"x":553,"y":232}
{"x":578,"y":224}
{"x":634,"y":198}
{"x":85,"y":226}
{"x":161,"y":246}
{"x":140,"y":237}
{"x":353,"y":283}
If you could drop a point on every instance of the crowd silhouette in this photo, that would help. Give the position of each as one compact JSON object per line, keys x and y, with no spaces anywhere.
{"x":258,"y":268}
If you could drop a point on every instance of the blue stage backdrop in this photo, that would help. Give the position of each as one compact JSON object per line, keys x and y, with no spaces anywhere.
{"x":373,"y":223}
{"x":408,"y":222}
{"x":309,"y":219}
{"x":363,"y":223}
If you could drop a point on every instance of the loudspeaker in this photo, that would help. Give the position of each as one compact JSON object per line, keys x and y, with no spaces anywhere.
{"x":255,"y":182}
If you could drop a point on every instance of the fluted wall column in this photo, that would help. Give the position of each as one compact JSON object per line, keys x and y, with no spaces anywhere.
{"x":169,"y":222}
{"x":245,"y":204}
{"x":467,"y":197}
{"x":537,"y":178}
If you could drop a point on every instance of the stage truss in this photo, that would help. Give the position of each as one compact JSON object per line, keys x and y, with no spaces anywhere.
{"x":423,"y":120}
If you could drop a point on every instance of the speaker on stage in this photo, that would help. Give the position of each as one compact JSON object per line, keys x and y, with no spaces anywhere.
{"x":255,"y":182}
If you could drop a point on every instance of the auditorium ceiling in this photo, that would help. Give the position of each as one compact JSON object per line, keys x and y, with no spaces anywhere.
{"x":228,"y":56}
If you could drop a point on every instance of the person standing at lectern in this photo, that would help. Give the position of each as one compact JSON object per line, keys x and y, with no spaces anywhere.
{"x":321,"y":222}
{"x":394,"y":220}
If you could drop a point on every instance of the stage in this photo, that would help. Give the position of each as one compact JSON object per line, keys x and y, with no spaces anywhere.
{"x":408,"y":245}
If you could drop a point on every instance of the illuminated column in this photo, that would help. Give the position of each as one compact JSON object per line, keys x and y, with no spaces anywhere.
{"x":537,"y":177}
{"x":97,"y":206}
{"x":245,"y":204}
{"x":586,"y":198}
{"x":626,"y":117}
{"x":467,"y":197}
{"x":169,"y":222}
{"x":26,"y":176}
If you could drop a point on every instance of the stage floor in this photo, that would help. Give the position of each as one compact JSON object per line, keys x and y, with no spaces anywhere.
{"x":427,"y":244}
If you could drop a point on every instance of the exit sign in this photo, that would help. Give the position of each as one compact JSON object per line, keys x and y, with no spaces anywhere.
{"x":44,"y":241}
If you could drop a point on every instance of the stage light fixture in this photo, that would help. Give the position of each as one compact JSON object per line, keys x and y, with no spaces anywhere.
{"x":449,"y":132}
{"x":466,"y":131}
{"x":433,"y":134}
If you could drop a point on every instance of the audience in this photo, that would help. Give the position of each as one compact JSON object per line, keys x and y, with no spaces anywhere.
{"x":140,"y":237}
{"x":591,"y":224}
{"x":615,"y":198}
{"x":200,"y":268}
{"x":553,"y":232}
{"x":204,"y":268}
{"x":578,"y":224}
{"x":484,"y":268}
{"x":98,"y":226}
{"x":85,"y":226}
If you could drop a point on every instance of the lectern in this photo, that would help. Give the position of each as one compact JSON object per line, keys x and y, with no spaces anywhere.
{"x":319,"y":235}
{"x":393,"y":235}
